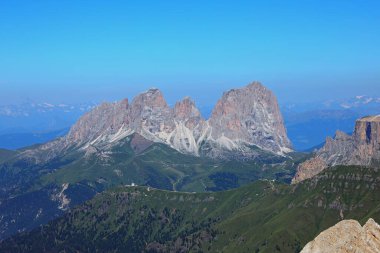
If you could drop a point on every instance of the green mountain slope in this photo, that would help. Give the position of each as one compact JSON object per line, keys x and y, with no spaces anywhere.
{"x":6,"y":154}
{"x":262,"y":217}
{"x":162,"y":167}
{"x":76,"y":176}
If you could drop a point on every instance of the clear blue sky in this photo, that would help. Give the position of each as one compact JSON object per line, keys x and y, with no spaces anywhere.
{"x":70,"y":51}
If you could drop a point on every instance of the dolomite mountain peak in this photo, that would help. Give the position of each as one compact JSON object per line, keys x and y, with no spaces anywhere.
{"x":250,"y":115}
{"x":242,"y":118}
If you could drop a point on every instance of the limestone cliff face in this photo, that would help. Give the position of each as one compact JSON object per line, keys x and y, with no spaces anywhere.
{"x":367,"y":138}
{"x":249,"y":115}
{"x":151,"y":116}
{"x":105,"y":119}
{"x":362,"y":148}
{"x":347,"y":236}
{"x":242,"y":118}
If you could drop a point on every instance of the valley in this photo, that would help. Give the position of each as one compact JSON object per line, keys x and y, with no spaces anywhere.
{"x":145,"y":219}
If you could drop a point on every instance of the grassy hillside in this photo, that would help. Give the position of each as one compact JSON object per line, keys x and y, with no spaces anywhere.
{"x":262,"y":217}
{"x":84,"y":174}
{"x":6,"y":154}
{"x":162,"y":167}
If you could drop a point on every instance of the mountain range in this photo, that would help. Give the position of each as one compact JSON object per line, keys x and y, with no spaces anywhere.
{"x":307,"y":124}
{"x":205,"y":185}
{"x":241,"y":119}
{"x":146,"y":142}
{"x":27,"y":124}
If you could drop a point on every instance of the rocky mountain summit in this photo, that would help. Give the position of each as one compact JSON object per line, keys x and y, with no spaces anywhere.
{"x":248,"y":116}
{"x":347,"y":236}
{"x":360,"y":148}
{"x":243,"y":120}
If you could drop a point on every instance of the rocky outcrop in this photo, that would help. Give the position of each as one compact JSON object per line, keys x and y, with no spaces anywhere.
{"x":360,"y":148}
{"x":242,"y":119}
{"x":347,"y":236}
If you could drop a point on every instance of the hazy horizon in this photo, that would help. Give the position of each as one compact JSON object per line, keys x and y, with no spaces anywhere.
{"x":206,"y":97}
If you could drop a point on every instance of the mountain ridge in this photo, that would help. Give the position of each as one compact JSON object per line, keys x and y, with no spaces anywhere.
{"x":244,"y":117}
{"x":147,"y":142}
{"x":360,"y":148}
{"x":77,"y":175}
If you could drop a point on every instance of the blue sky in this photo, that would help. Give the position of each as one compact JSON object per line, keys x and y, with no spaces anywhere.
{"x":72,"y":51}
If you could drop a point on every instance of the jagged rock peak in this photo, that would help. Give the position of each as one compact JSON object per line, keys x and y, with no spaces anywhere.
{"x":250,"y":114}
{"x":339,"y":135}
{"x":242,"y":118}
{"x":152,"y":98}
{"x":360,"y":148}
{"x":186,"y":109}
{"x":347,"y":236}
{"x":256,"y":85}
{"x":104,"y":119}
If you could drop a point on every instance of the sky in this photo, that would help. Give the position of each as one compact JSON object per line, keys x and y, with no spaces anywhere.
{"x":77,"y":51}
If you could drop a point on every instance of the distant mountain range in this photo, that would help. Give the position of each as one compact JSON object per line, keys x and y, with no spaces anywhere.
{"x":29,"y":109}
{"x":359,"y":103}
{"x":20,"y":140}
{"x":307,"y":124}
{"x":146,"y":142}
{"x":33,"y":123}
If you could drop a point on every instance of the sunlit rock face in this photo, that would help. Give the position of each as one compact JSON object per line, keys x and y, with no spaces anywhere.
{"x":243,"y":121}
{"x":360,"y":148}
{"x":347,"y":236}
{"x":249,"y":116}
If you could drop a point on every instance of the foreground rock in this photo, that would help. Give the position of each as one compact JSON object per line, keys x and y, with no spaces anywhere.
{"x":360,"y":148}
{"x":347,"y":236}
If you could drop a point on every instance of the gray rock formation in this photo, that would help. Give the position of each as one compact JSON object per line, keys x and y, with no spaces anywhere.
{"x":249,"y":116}
{"x":189,"y":127}
{"x":242,"y":118}
{"x":347,"y":236}
{"x":362,"y":148}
